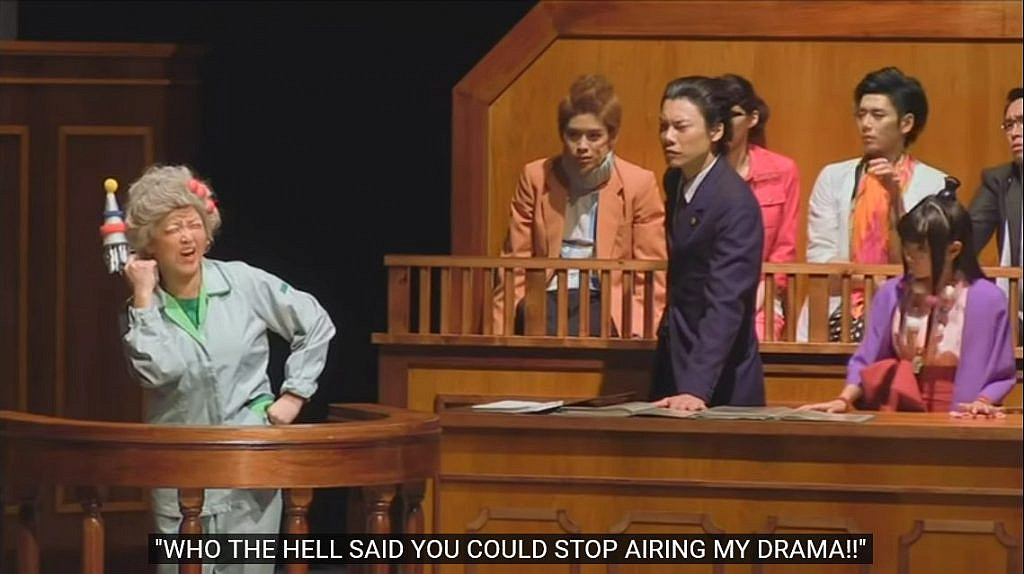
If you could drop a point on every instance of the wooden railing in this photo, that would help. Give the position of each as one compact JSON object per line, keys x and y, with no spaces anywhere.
{"x":452,"y":299}
{"x":390,"y":452}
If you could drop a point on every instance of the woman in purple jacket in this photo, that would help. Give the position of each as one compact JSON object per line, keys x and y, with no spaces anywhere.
{"x":938,"y":338}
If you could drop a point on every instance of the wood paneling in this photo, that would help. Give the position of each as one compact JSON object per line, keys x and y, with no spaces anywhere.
{"x":804,"y":56}
{"x":986,"y":538}
{"x":807,"y":84}
{"x":961,"y":478}
{"x":953,"y":19}
{"x":88,"y":359}
{"x":14,"y":186}
{"x":93,"y":111}
{"x":87,"y":339}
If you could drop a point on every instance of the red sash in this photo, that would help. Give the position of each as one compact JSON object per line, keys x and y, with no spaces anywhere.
{"x":890,"y":385}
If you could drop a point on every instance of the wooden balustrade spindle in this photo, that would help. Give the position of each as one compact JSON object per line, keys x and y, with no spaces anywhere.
{"x":445,"y":297}
{"x":509,"y":310}
{"x":424,"y":321}
{"x":190,"y":503}
{"x":92,"y":531}
{"x":467,"y":301}
{"x":844,"y":320}
{"x":412,"y":501}
{"x":1015,"y":310}
{"x":649,"y":325}
{"x":606,"y":302}
{"x":790,"y":311}
{"x":584,"y":302}
{"x":626,"y":330}
{"x":869,"y":296}
{"x":398,"y":300}
{"x":562,"y":309}
{"x":378,"y":517}
{"x":296,"y":511}
{"x":486,"y":323}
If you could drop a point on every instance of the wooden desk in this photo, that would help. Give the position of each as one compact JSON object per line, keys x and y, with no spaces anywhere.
{"x":939,"y":495}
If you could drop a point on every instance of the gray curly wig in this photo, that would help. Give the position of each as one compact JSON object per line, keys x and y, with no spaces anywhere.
{"x":159,"y":191}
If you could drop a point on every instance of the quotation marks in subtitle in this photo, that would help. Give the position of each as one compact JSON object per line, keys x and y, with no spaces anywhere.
{"x":520,"y":549}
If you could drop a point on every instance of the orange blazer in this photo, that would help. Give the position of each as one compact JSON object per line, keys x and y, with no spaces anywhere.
{"x":630,"y":225}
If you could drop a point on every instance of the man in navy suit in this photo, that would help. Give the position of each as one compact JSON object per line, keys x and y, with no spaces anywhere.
{"x":707,"y":346}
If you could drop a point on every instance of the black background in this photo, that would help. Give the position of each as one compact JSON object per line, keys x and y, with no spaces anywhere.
{"x":326,"y":132}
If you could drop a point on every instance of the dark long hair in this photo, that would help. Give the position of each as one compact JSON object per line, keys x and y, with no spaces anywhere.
{"x":938,"y":221}
{"x":740,"y":92}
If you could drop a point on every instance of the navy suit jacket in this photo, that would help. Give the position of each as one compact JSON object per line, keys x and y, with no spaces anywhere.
{"x":707,"y":343}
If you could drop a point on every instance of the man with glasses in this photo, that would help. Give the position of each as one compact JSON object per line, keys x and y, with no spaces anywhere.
{"x":997,"y":203}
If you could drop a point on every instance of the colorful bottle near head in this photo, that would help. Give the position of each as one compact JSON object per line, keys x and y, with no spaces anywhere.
{"x":115,"y":243}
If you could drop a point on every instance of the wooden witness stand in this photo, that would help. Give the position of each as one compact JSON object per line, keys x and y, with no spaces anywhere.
{"x":389,"y":453}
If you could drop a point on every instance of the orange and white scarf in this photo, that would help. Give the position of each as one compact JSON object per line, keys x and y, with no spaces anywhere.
{"x":870,"y":222}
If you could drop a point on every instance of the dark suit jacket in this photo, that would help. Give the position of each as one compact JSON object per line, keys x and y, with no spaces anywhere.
{"x":998,"y":201}
{"x":707,"y":344}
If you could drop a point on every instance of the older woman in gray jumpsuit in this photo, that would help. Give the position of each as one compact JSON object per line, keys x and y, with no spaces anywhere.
{"x":196,"y":340}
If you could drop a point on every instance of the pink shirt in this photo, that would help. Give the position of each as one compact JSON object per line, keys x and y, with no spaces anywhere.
{"x":776,"y":183}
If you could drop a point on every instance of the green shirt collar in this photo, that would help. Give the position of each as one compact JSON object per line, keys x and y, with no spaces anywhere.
{"x":177,"y":315}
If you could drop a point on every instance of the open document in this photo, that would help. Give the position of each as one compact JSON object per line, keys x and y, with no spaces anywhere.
{"x":715,"y":413}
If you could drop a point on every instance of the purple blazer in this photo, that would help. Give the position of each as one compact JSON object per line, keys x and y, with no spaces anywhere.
{"x":987,"y":368}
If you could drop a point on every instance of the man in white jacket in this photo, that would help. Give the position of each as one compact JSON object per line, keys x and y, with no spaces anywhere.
{"x":856,"y":203}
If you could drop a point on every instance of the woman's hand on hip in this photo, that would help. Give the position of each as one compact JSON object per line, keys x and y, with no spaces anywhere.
{"x":285,"y":409}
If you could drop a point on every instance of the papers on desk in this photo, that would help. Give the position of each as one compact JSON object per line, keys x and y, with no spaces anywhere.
{"x":723,"y":413}
{"x":518,"y":406}
{"x":728,"y":413}
{"x":632,"y":409}
{"x":642,"y":409}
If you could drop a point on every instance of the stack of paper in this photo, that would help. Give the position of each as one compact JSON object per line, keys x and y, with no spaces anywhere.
{"x":518,"y":406}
